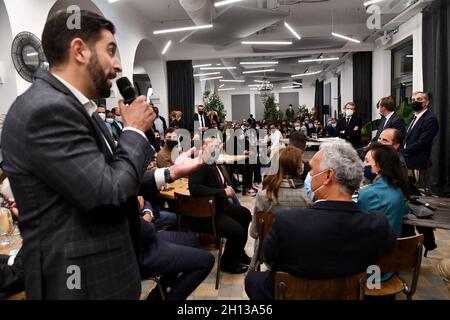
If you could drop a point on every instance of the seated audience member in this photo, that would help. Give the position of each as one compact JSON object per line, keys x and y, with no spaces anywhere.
{"x":174,"y":256}
{"x":112,"y":129}
{"x":298,"y":140}
{"x":164,"y":157}
{"x":11,"y":274}
{"x":118,"y":123}
{"x":331,"y":130}
{"x":280,"y":191}
{"x":334,"y":238}
{"x":152,"y":213}
{"x":394,"y":137}
{"x":176,"y":120}
{"x":231,"y":220}
{"x":388,"y":189}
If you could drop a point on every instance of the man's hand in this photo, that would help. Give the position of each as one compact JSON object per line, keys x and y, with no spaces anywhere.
{"x":229,"y":191}
{"x":147,"y":217}
{"x":185,"y":165}
{"x":137,"y":115}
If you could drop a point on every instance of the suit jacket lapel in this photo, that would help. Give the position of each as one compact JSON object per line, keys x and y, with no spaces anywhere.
{"x":102,"y":126}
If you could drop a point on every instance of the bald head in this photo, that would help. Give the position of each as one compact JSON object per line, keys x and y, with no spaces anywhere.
{"x":391,"y":137}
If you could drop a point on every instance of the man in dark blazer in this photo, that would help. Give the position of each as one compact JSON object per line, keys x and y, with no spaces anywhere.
{"x":349,"y":127}
{"x":11,"y":274}
{"x":231,"y":220}
{"x":75,"y":189}
{"x":332,"y":239}
{"x":420,"y":133}
{"x":200,"y":121}
{"x":389,"y":118}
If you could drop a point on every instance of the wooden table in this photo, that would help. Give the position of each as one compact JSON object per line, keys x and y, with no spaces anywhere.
{"x":441,"y":218}
{"x":178,"y":186}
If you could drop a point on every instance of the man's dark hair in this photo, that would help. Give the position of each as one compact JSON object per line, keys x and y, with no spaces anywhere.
{"x":298,"y":140}
{"x":398,"y":136}
{"x":56,"y":37}
{"x":388,"y":103}
{"x":169,"y":130}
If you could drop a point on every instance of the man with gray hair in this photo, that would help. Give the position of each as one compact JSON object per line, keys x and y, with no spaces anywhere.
{"x":333,"y":238}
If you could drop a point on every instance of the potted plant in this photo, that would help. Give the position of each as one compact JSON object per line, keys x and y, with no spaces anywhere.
{"x":212,"y":102}
{"x":272,"y":111}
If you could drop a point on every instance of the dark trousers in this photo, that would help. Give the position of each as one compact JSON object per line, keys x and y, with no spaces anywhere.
{"x":175,"y":253}
{"x":260,"y":285}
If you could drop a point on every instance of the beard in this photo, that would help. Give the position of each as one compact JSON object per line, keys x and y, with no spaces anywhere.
{"x":99,"y":77}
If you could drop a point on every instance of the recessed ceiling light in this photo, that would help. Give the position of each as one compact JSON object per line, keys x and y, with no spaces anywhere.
{"x":368,"y":3}
{"x":258,"y":71}
{"x":292,"y":30}
{"x":225,"y":2}
{"x":345,"y":37}
{"x":227,"y":89}
{"x":217,"y":68}
{"x":166,"y":47}
{"x":225,"y":80}
{"x":202,"y":65}
{"x":213,"y":78}
{"x":305,"y":74}
{"x":268,"y":42}
{"x":206,"y":74}
{"x":258,"y":62}
{"x":318,"y":60}
{"x":183,"y":29}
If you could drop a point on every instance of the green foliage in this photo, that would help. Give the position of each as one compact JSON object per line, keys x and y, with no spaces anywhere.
{"x":405,"y":111}
{"x":272,"y":111}
{"x":213,"y":103}
{"x":303,"y":111}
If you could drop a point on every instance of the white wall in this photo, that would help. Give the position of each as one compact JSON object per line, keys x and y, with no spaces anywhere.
{"x":8,"y":89}
{"x":306,"y":96}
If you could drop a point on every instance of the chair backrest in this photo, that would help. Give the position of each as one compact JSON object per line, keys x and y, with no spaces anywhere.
{"x":289,"y":287}
{"x":407,"y":254}
{"x":196,"y":207}
{"x":265,"y":220}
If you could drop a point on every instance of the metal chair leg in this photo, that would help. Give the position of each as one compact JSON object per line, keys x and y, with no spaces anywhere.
{"x":219,"y":264}
{"x":160,"y":288}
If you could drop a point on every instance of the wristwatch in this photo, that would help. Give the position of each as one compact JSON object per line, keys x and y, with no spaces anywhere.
{"x":167,"y":176}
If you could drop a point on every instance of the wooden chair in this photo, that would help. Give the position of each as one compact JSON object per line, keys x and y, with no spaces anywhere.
{"x":265,"y":220}
{"x":14,"y":296}
{"x":406,"y":255}
{"x":289,"y":287}
{"x":199,"y":207}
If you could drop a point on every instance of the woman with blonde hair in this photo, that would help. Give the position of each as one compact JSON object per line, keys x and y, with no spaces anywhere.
{"x":176,"y":119}
{"x":283,"y":190}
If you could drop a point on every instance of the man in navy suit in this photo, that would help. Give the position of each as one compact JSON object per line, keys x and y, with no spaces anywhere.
{"x":389,"y":118}
{"x":332,"y":239}
{"x":420,"y":133}
{"x":349,"y":127}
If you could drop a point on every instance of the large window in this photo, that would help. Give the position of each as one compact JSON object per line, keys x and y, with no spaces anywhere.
{"x":402,"y":68}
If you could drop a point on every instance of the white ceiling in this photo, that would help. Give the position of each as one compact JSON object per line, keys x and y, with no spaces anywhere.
{"x":314,"y":20}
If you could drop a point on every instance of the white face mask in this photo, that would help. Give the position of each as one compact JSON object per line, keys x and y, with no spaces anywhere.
{"x":297,"y":128}
{"x":110,"y":120}
{"x":119,"y":118}
{"x":348,"y":112}
{"x":102,"y":116}
{"x":334,"y":125}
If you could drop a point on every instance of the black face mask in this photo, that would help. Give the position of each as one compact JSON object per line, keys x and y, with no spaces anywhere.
{"x":368,"y":174}
{"x":416,"y":106}
{"x":171,"y":143}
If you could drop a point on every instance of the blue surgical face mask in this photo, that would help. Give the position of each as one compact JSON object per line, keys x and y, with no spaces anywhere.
{"x":368,"y":174}
{"x":307,"y":184}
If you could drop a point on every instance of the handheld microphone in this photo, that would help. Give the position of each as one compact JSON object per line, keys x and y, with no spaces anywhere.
{"x":127,"y":90}
{"x":129,"y":94}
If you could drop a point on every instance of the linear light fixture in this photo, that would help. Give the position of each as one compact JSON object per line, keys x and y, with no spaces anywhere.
{"x":298,"y":83}
{"x":202,"y":65}
{"x":32,"y":54}
{"x":253,"y":85}
{"x":225,"y":80}
{"x":258,"y":71}
{"x":262,"y":81}
{"x":167,"y":46}
{"x":258,"y":62}
{"x":206,"y":74}
{"x":205,"y":26}
{"x":345,"y":37}
{"x":225,"y":2}
{"x":291,"y":87}
{"x":227,"y":89}
{"x":318,"y":60}
{"x":292,"y":30}
{"x":112,"y":1}
{"x":368,"y":3}
{"x":305,"y":74}
{"x":213,"y":78}
{"x":217,"y":68}
{"x":222,"y":85}
{"x":268,"y":42}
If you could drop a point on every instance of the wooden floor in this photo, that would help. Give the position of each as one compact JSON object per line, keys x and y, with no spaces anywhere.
{"x":430,"y":286}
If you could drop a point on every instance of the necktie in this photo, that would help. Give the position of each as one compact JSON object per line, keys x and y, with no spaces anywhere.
{"x":348,"y":121}
{"x":411,"y":125}
{"x":201,"y":121}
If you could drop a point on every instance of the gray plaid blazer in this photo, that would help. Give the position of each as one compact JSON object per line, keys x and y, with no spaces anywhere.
{"x":77,"y":201}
